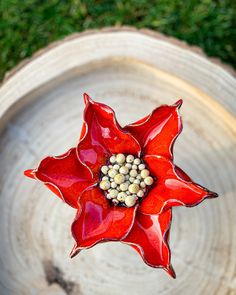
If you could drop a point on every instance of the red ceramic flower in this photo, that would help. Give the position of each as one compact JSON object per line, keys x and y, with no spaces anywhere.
{"x":123,"y":182}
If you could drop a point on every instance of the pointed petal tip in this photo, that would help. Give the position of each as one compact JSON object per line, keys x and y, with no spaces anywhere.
{"x":170,"y":270}
{"x":178,"y":103}
{"x":29,"y":173}
{"x":213,"y":195}
{"x":74,"y":252}
{"x":87,"y":98}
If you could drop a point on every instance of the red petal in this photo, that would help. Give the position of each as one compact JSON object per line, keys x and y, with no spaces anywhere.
{"x":182,"y":174}
{"x":173,"y":187}
{"x":99,"y":221}
{"x":103,"y":136}
{"x":65,"y":175}
{"x":149,"y":236}
{"x":157,"y":132}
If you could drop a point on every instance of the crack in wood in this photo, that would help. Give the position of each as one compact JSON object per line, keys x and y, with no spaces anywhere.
{"x":54,"y":275}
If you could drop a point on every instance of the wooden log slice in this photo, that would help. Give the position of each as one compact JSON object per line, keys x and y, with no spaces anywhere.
{"x":41,"y":109}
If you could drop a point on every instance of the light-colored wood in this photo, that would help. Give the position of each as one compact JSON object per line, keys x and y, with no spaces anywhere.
{"x":41,"y":113}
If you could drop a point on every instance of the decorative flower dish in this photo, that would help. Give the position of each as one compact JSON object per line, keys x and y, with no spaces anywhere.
{"x":123,"y":182}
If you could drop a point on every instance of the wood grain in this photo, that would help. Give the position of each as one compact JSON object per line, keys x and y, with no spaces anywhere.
{"x":41,"y":113}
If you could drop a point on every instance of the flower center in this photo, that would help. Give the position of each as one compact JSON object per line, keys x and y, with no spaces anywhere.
{"x":125,"y":180}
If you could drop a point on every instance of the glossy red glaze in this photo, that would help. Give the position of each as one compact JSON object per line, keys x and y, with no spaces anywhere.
{"x":74,"y":178}
{"x":157,"y":132}
{"x":149,"y":236}
{"x":170,"y":189}
{"x":65,"y":175}
{"x":98,"y":220}
{"x":103,"y":137}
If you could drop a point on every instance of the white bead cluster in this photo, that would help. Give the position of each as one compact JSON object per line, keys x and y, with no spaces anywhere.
{"x":125,"y":179}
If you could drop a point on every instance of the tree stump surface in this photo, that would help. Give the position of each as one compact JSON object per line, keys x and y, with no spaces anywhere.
{"x":41,"y":109}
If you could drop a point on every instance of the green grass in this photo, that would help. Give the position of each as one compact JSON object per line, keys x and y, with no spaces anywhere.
{"x":27,"y":25}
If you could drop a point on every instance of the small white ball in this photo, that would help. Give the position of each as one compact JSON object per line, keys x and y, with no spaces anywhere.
{"x":140,"y":194}
{"x":120,"y":158}
{"x":137,"y":161}
{"x":112,"y":173}
{"x":148,"y":180}
{"x":113,"y":184}
{"x":124,"y":170}
{"x":124,"y":186}
{"x":104,"y":169}
{"x":113,"y":193}
{"x":105,"y":178}
{"x":116,"y":167}
{"x":130,"y":159}
{"x":133,"y":188}
{"x":119,"y":178}
{"x":113,"y":159}
{"x":130,"y":201}
{"x":108,"y":196}
{"x":110,"y":166}
{"x":133,"y":173}
{"x":121,"y":196}
{"x":137,"y":181}
{"x":131,"y":179}
{"x":115,"y":201}
{"x":134,"y":167}
{"x":142,"y":184}
{"x":126,"y":177}
{"x":141,"y":166}
{"x":128,"y":165}
{"x":145,"y":173}
{"x":105,"y":185}
{"x":139,"y":176}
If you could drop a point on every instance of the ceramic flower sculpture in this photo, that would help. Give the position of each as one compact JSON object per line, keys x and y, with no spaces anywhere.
{"x":122,"y":181}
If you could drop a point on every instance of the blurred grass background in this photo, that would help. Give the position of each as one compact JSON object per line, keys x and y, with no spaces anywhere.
{"x":27,"y":25}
